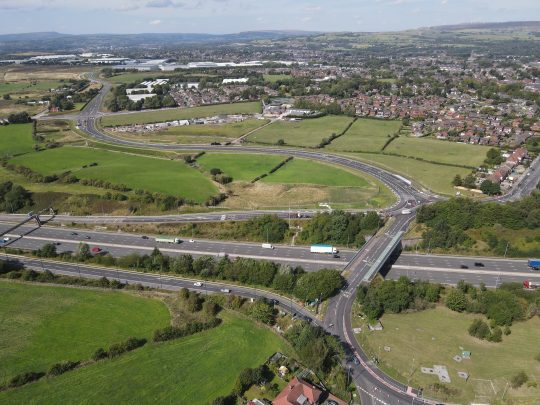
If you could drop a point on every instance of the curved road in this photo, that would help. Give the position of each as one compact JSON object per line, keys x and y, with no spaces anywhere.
{"x":374,"y":386}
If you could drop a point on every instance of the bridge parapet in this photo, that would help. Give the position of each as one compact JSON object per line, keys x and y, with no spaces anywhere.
{"x":376,"y":266}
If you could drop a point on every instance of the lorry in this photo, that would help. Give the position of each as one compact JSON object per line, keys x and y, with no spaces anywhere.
{"x":324,"y":249}
{"x":534,"y":264}
{"x":267,"y":246}
{"x":168,"y":240}
{"x":530,"y":285}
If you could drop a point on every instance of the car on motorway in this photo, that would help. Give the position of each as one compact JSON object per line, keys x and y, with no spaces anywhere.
{"x":144,"y":237}
{"x":191,"y":241}
{"x":6,"y":239}
{"x":479,"y":264}
{"x":336,"y":256}
{"x":198,"y":284}
{"x":225,"y":290}
{"x":73,"y":233}
{"x":223,"y":217}
{"x":464,"y":266}
{"x":96,"y":249}
{"x":87,"y":237}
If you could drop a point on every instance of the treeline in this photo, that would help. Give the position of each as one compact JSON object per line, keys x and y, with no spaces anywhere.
{"x":274,"y":169}
{"x":448,"y":220}
{"x":502,"y":307}
{"x":19,"y":118}
{"x":341,"y":228}
{"x":305,"y":286}
{"x":14,"y":197}
{"x":396,"y":296}
{"x":328,"y":141}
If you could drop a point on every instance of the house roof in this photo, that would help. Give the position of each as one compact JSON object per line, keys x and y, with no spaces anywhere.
{"x":298,"y":392}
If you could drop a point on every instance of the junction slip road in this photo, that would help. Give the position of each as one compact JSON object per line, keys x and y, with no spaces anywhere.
{"x":373,"y":386}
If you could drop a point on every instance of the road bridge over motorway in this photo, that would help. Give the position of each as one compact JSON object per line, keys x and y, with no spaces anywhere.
{"x":373,"y":385}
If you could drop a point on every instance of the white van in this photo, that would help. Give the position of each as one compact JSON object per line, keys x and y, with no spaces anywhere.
{"x":267,"y":246}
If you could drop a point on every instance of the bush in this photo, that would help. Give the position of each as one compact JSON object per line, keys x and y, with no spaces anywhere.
{"x":456,"y":300}
{"x":172,"y":332}
{"x":24,"y":378}
{"x":120,"y":348}
{"x":61,"y":368}
{"x":99,"y":354}
{"x":479,"y":329}
{"x":519,"y":379}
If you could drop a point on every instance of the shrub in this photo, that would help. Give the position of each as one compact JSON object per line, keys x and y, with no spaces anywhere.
{"x":99,"y":354}
{"x":479,"y":329}
{"x":61,"y":368}
{"x":172,"y":332}
{"x":519,"y":379}
{"x":120,"y":348}
{"x":25,"y":378}
{"x":456,"y":300}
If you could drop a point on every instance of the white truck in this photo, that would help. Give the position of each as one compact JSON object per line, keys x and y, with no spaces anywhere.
{"x":324,"y":249}
{"x":267,"y":246}
{"x":168,"y":240}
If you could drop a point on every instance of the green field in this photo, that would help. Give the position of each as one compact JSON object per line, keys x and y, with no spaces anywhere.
{"x":366,"y":135}
{"x":181,"y":113}
{"x":196,"y":134}
{"x":301,"y":171}
{"x":137,"y":172}
{"x":42,"y":325}
{"x":439,"y":151}
{"x":275,"y":78}
{"x":308,"y":132}
{"x":28,"y":87}
{"x":191,"y":370}
{"x":435,"y":336}
{"x":241,"y":167}
{"x":437,"y":178}
{"x":16,"y":139}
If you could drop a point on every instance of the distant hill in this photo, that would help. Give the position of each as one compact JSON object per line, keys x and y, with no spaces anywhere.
{"x":489,"y":26}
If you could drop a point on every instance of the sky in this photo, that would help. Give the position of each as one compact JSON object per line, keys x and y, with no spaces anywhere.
{"x":229,"y":16}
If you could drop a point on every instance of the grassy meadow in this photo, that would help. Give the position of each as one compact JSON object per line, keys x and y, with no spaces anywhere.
{"x":137,"y":172}
{"x":191,"y":370}
{"x":16,"y":139}
{"x":366,"y":135}
{"x":306,"y":133}
{"x":42,"y":325}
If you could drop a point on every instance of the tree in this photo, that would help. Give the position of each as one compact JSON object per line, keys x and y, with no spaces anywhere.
{"x":469,"y":181}
{"x":456,"y":300}
{"x":6,"y":96}
{"x":490,"y":188}
{"x":262,"y":312}
{"x":215,"y":171}
{"x":318,"y":285}
{"x":83,"y":251}
{"x":280,"y":142}
{"x":457,"y":181}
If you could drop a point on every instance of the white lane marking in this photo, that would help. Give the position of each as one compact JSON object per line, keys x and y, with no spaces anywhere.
{"x":466,"y":271}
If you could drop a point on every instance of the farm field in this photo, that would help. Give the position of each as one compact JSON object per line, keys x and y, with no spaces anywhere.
{"x":366,"y":135}
{"x":137,"y":172}
{"x":193,"y":134}
{"x":240,"y":166}
{"x":275,"y":78}
{"x":16,"y":89}
{"x":16,"y":139}
{"x":307,"y":133}
{"x":180,"y":113}
{"x":439,"y":151}
{"x":13,"y":73}
{"x":190,"y":370}
{"x":437,"y":178}
{"x":302,"y":171}
{"x":435,"y":336}
{"x":43,"y":325}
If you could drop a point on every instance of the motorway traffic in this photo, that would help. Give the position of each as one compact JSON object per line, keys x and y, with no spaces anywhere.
{"x":373,"y":385}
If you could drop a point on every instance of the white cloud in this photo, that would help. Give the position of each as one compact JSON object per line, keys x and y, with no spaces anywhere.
{"x":155,"y":22}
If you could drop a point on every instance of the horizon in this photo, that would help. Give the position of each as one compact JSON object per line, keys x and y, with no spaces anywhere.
{"x":218,"y":17}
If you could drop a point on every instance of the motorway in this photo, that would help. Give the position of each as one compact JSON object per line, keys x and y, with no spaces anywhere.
{"x":373,"y":385}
